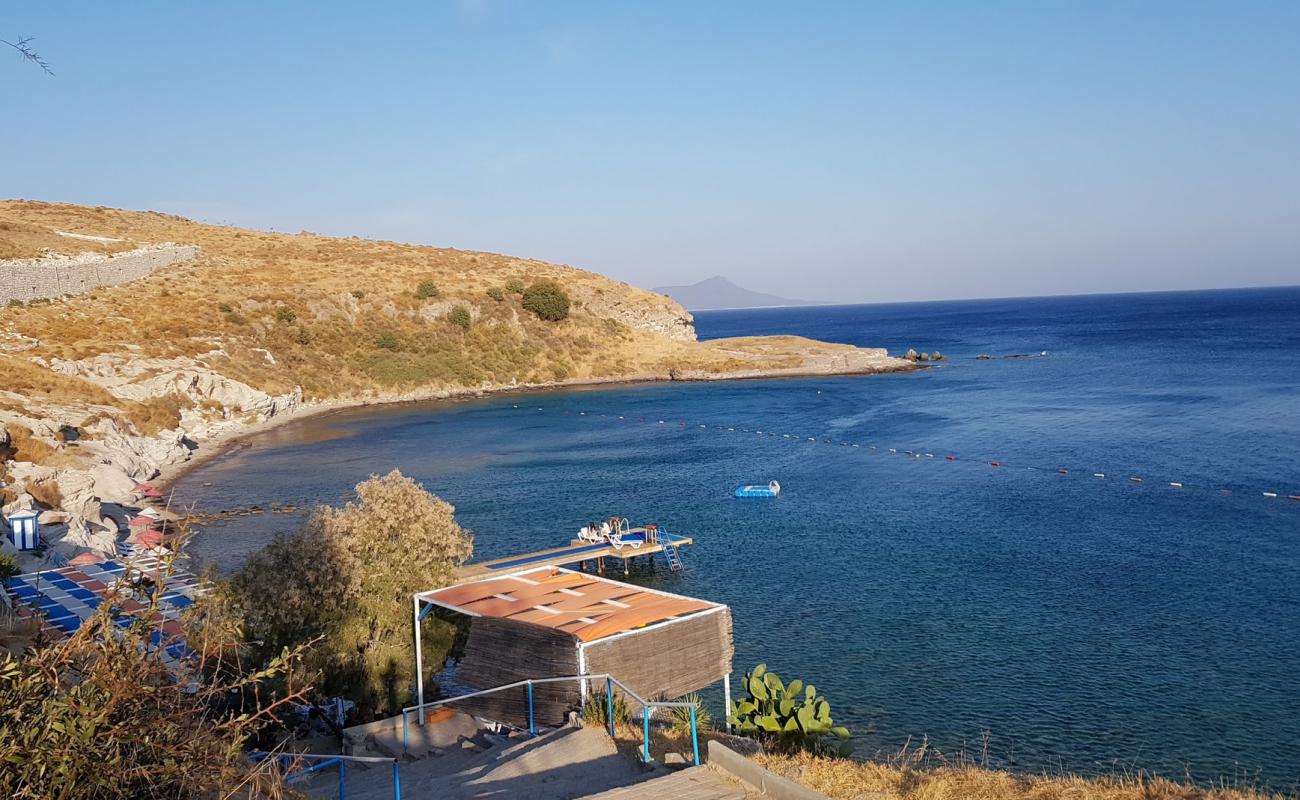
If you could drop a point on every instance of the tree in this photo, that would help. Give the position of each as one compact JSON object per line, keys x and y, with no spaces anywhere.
{"x":547,"y":300}
{"x":460,"y":317}
{"x":103,"y":715}
{"x":347,"y":576}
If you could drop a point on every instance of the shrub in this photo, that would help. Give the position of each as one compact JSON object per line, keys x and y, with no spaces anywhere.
{"x":103,"y":715}
{"x":286,"y":314}
{"x":224,"y":308}
{"x":357,"y":293}
{"x":15,"y":303}
{"x":595,"y":711}
{"x":681,"y":717}
{"x":302,"y":336}
{"x":348,"y":575}
{"x":8,"y":566}
{"x":787,"y":719}
{"x":387,"y":341}
{"x":426,"y":290}
{"x":515,"y":286}
{"x":460,"y":317}
{"x":496,"y":293}
{"x":547,"y":300}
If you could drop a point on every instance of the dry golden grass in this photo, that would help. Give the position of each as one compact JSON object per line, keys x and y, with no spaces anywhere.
{"x":342,"y":318}
{"x":25,"y":240}
{"x":846,"y":779}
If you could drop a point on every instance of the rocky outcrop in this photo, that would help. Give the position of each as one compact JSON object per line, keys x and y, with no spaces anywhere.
{"x":105,"y":459}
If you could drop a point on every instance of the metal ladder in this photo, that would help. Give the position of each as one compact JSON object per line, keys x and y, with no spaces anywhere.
{"x":674,"y":557}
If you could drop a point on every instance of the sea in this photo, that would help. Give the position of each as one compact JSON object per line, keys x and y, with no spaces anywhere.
{"x":1079,"y":554}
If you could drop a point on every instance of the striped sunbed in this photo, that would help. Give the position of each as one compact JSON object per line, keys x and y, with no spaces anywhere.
{"x":65,"y":597}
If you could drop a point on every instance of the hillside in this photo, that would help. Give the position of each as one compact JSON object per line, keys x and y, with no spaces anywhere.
{"x":107,"y":387}
{"x":718,"y":292}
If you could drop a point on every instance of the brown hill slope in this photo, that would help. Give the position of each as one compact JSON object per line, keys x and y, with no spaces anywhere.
{"x":260,"y":324}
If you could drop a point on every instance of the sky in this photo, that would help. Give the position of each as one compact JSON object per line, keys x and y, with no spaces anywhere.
{"x":854,"y":152}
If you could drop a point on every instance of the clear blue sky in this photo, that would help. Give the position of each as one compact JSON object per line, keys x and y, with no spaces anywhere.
{"x":842,"y":151}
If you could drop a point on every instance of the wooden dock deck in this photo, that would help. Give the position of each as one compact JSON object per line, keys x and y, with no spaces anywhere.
{"x":578,"y":552}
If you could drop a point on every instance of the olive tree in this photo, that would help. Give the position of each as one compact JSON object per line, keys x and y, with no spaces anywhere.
{"x":346,"y":577}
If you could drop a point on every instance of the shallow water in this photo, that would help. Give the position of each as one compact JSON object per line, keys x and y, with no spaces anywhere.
{"x":1085,"y":623}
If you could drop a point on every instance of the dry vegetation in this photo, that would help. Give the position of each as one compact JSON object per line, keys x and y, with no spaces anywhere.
{"x":904,"y":779}
{"x":338,"y":317}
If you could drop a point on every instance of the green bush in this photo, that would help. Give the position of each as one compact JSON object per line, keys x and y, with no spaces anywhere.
{"x":15,"y":303}
{"x":515,"y":286}
{"x":286,"y":314}
{"x":787,"y":719}
{"x":302,"y":336}
{"x":346,"y":577}
{"x":496,"y":293}
{"x":387,"y":341}
{"x":426,"y":290}
{"x":357,"y":293}
{"x":681,"y":717}
{"x":547,"y":300}
{"x":595,"y":711}
{"x":460,"y":317}
{"x":8,"y":566}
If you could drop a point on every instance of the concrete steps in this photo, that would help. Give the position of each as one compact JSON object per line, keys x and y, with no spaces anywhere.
{"x":559,"y":765}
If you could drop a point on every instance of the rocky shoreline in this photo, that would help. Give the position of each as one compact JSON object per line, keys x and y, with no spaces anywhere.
{"x":91,"y":496}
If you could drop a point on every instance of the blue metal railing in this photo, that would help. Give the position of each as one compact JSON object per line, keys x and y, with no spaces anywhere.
{"x":610,"y":683}
{"x":324,"y":761}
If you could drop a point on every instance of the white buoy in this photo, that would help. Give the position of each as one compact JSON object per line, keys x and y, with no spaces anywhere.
{"x":1176,"y":484}
{"x":1098,"y":474}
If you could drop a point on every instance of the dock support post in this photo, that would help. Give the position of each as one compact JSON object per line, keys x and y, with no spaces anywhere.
{"x":419,"y":657}
{"x":726,"y":698}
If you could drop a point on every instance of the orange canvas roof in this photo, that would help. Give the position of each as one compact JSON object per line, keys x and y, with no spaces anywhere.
{"x":586,"y":606}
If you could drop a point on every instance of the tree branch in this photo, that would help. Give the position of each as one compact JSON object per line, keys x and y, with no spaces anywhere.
{"x":25,"y":52}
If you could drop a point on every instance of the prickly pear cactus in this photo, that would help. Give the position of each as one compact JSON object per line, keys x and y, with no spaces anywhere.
{"x":787,"y":718}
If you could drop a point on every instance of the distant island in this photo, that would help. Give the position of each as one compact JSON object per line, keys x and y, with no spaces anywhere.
{"x":718,"y":292}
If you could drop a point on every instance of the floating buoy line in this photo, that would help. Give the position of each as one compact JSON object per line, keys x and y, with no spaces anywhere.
{"x":870,"y":448}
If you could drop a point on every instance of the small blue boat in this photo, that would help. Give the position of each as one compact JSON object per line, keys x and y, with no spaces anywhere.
{"x":770,"y":489}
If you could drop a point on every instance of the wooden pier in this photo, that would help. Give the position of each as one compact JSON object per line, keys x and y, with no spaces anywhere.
{"x":637,"y":543}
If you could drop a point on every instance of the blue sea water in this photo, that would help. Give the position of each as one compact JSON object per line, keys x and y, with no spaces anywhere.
{"x":1080,"y":623}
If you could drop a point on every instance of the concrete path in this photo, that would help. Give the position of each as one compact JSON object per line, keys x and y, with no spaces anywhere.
{"x":696,"y":783}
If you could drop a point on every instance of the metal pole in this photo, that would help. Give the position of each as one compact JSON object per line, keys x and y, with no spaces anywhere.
{"x":726,"y":699}
{"x":419,"y":656}
{"x":609,"y":703}
{"x":532,"y":729}
{"x":397,"y":781}
{"x":645,"y":730}
{"x":695,"y":737}
{"x":343,"y":766}
{"x":406,"y":732}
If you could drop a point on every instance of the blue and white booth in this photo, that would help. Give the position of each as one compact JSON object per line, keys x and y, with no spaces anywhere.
{"x":24,"y":530}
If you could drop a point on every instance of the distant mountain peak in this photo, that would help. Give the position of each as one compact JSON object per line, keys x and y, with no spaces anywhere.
{"x":721,"y":292}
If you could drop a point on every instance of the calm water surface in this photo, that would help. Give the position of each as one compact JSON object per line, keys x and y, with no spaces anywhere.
{"x":1084,"y":623}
